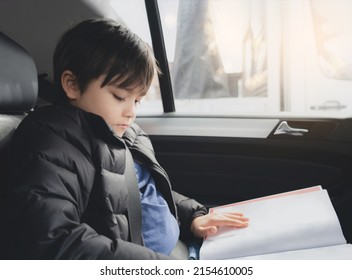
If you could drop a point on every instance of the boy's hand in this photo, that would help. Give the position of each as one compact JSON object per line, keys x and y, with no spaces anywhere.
{"x":208,"y":224}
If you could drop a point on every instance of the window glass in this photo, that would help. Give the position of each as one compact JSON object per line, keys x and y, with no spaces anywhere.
{"x":332,"y":23}
{"x":260,"y":56}
{"x":133,"y":14}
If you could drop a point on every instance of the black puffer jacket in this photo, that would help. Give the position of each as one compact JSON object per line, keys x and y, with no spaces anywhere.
{"x":60,"y":205}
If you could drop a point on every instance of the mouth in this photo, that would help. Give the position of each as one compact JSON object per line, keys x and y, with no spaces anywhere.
{"x":122,"y":125}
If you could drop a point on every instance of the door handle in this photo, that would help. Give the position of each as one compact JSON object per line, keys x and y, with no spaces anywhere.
{"x":285,"y":129}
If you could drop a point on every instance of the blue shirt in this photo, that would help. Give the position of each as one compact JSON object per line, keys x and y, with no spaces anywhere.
{"x":160,"y":230}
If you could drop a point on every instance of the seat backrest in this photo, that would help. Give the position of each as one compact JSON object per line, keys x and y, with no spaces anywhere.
{"x":18,"y":94}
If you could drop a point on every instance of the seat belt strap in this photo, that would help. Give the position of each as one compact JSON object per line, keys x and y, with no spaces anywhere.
{"x":134,"y":201}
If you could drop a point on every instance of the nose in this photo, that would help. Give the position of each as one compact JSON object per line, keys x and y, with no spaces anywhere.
{"x":130,"y":109}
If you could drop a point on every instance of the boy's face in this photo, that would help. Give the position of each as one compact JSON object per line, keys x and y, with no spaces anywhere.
{"x":115,"y":105}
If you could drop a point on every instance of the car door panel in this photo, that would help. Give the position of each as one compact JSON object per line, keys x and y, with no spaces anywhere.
{"x":218,"y":170}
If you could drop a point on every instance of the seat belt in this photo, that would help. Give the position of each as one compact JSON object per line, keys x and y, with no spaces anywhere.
{"x":134,"y":207}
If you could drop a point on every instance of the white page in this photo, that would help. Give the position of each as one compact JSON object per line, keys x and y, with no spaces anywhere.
{"x":337,"y":252}
{"x":279,"y":224}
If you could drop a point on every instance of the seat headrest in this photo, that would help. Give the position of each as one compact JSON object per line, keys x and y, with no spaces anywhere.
{"x":18,"y":77}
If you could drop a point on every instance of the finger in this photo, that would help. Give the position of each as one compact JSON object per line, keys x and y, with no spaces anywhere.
{"x":227,"y":219}
{"x":234,"y":223}
{"x":236,"y":216}
{"x":243,"y":222}
{"x":233,"y":215}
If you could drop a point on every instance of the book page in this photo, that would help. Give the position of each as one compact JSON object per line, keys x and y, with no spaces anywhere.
{"x":284,"y":223}
{"x":337,"y":252}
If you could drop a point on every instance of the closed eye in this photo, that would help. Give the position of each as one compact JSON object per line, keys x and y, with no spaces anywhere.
{"x":119,"y":98}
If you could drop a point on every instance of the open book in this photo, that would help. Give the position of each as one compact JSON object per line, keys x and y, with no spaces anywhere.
{"x":299,"y":224}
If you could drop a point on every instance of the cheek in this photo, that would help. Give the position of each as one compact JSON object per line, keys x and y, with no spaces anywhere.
{"x":110,"y":113}
{"x":98,"y":109}
{"x":102,"y":107}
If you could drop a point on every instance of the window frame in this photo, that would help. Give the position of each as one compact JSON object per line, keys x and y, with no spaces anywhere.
{"x":158,"y":42}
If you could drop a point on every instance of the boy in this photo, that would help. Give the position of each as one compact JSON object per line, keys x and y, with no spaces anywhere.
{"x":70,"y":173}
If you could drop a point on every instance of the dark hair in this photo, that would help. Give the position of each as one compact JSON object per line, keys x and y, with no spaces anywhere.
{"x":98,"y":47}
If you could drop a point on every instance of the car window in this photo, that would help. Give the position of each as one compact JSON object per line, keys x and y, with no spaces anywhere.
{"x":250,"y":57}
{"x":259,"y":57}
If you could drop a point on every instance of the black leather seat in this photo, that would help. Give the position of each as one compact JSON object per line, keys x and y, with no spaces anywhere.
{"x":18,"y":95}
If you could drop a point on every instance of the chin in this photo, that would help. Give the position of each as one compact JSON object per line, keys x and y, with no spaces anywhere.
{"x":119,"y":133}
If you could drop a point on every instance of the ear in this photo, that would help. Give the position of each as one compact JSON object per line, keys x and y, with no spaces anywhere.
{"x":70,"y":86}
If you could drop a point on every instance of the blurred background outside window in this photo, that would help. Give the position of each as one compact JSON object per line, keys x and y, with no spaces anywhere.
{"x":252,"y":57}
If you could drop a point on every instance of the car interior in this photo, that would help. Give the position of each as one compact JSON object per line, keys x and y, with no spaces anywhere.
{"x":215,"y":159}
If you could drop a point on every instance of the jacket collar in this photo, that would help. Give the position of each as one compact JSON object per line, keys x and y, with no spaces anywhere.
{"x":102,"y":130}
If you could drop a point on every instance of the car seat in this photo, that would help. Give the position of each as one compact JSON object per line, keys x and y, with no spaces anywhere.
{"x":18,"y":95}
